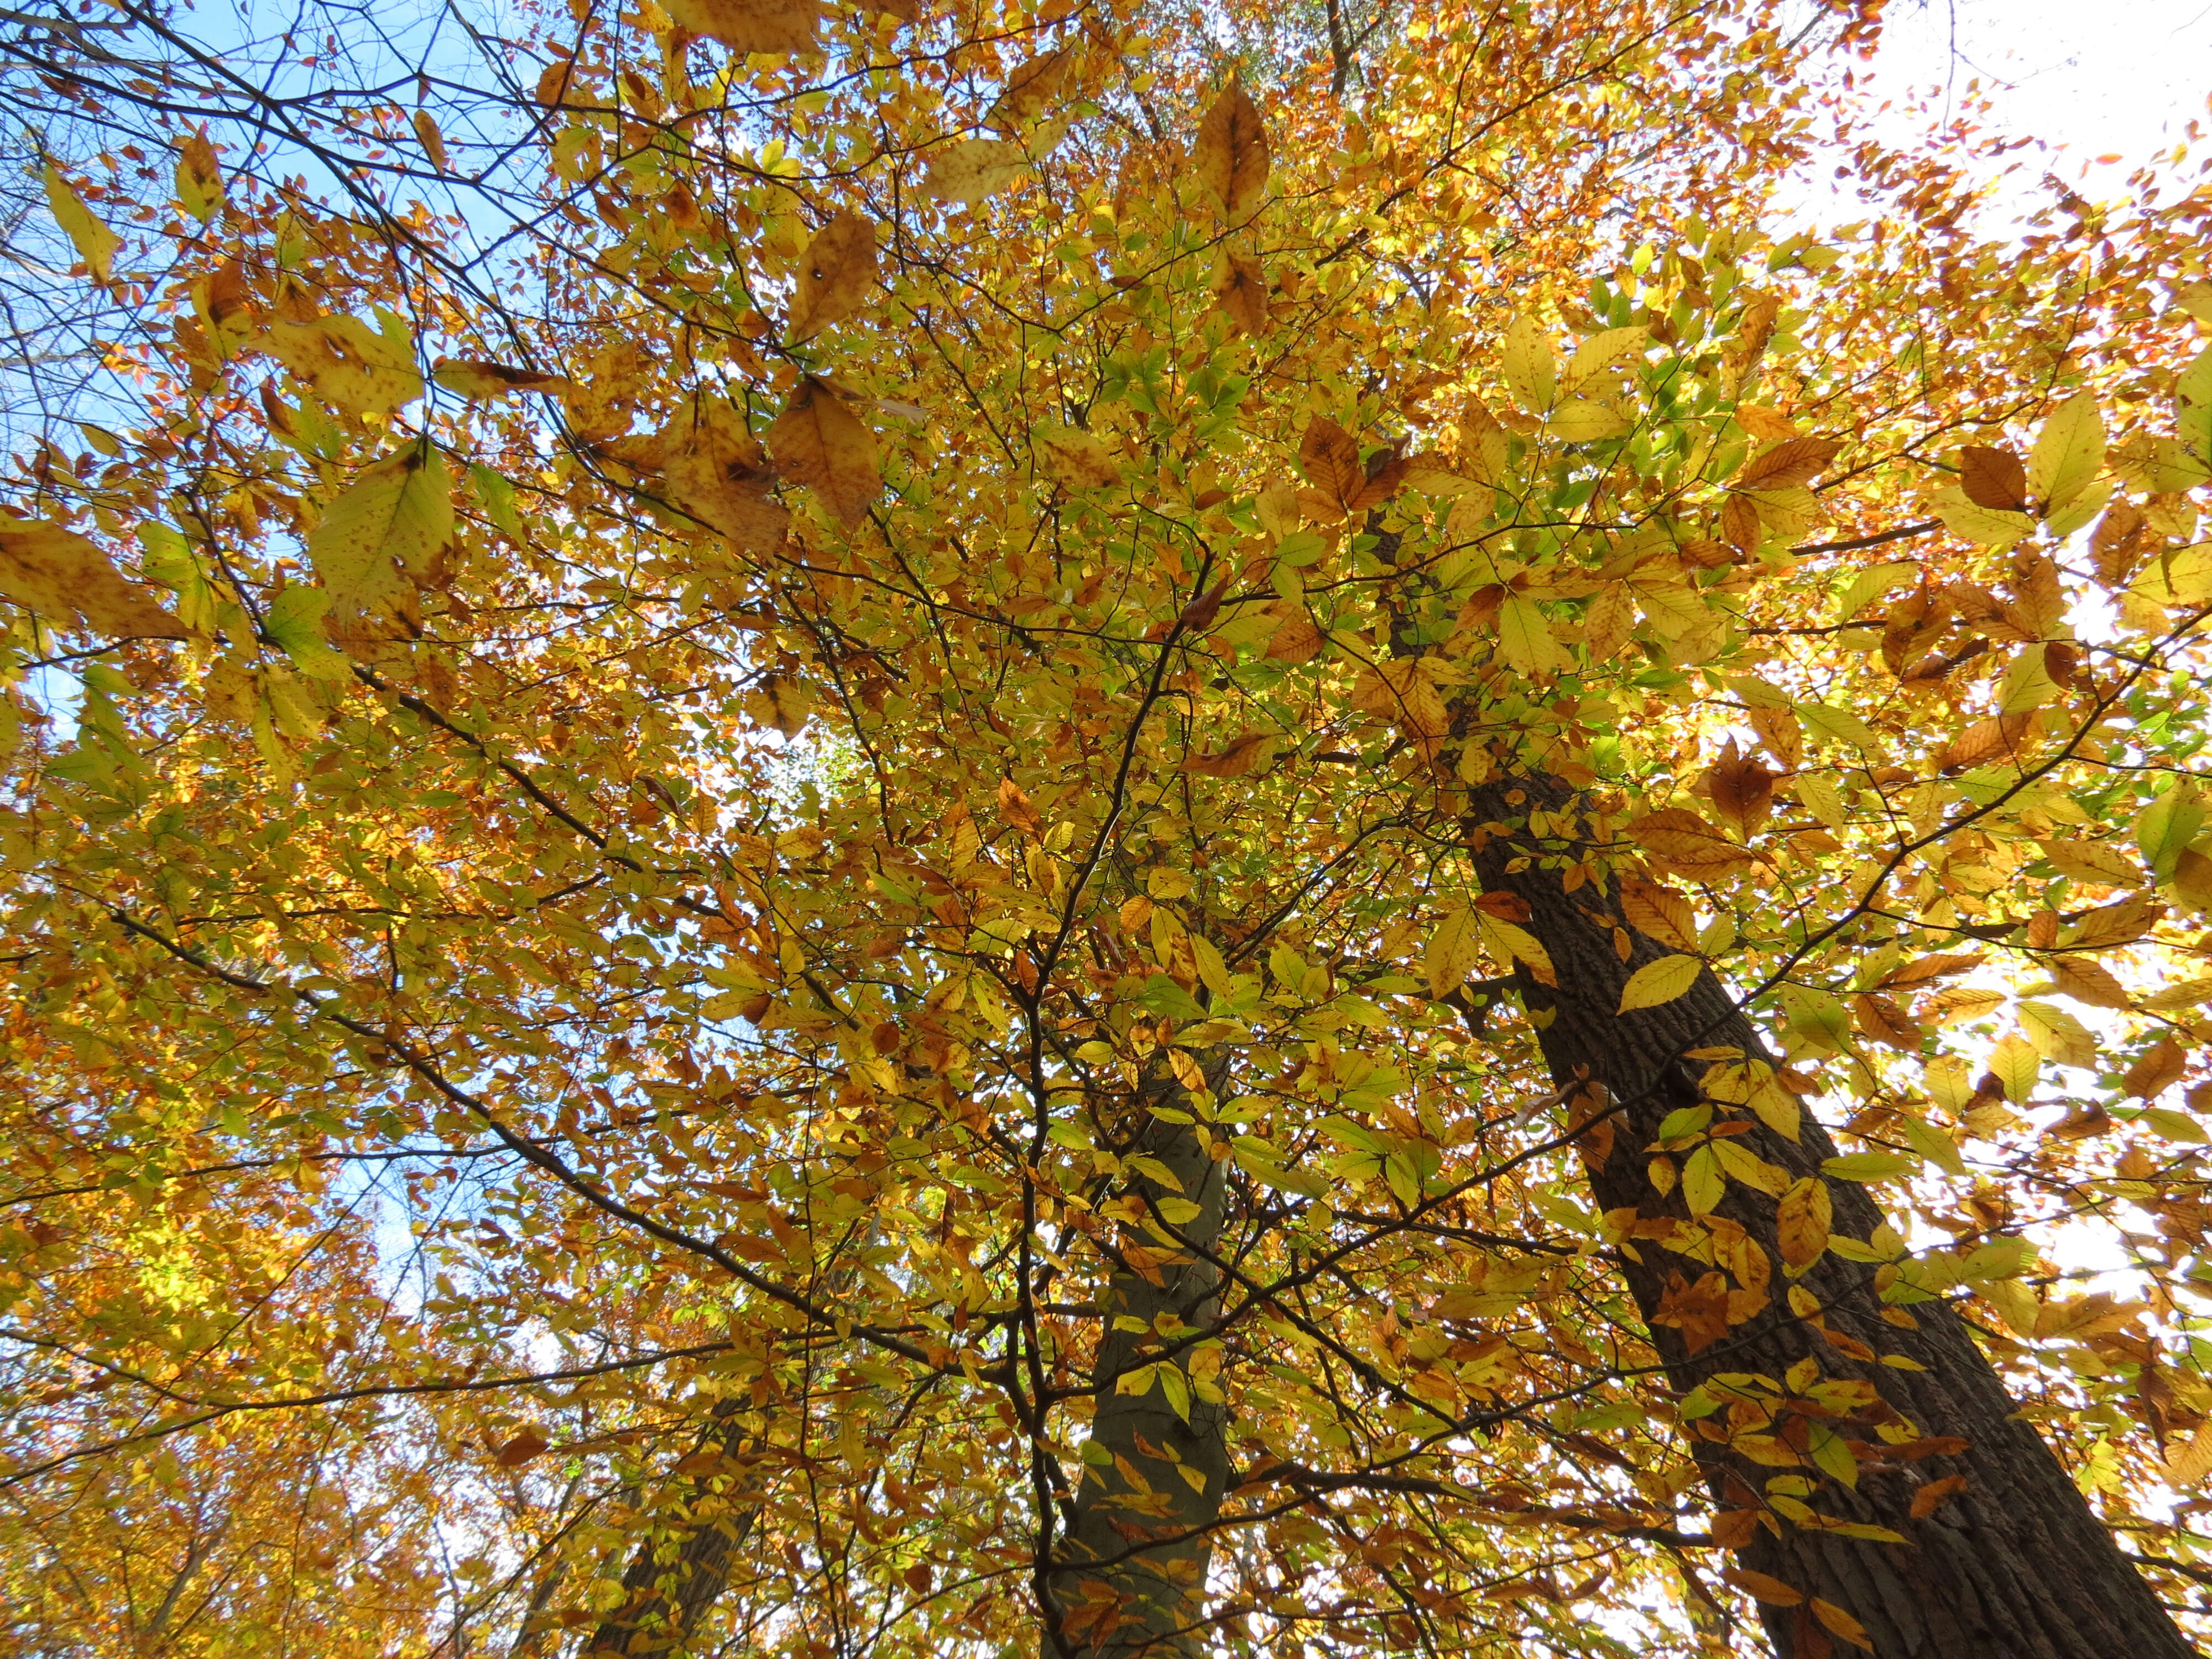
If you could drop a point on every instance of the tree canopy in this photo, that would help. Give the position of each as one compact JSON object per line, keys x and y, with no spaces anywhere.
{"x":1092,"y":828}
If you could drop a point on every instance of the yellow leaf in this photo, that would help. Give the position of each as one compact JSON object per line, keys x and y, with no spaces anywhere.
{"x":1680,"y":840}
{"x":362,"y":370}
{"x":199,"y":177}
{"x":385,"y":532}
{"x":472,"y":377}
{"x":95,"y":242}
{"x":973,"y":169}
{"x":1601,"y":351}
{"x":1451,"y":951}
{"x":1029,"y":88}
{"x":750,"y":25}
{"x":431,"y":140}
{"x":56,"y":571}
{"x":2185,"y":1466}
{"x":1990,"y":526}
{"x":782,"y":701}
{"x":1586,"y":421}
{"x":818,"y":442}
{"x":1658,"y":982}
{"x":1532,"y":373}
{"x":1524,"y":637}
{"x":2057,"y":1035}
{"x":1073,"y":458}
{"x":2027,"y":683}
{"x":834,"y":275}
{"x":1230,"y":155}
{"x":1703,"y":1183}
{"x":716,"y":475}
{"x":2069,"y":452}
{"x":1515,"y":944}
{"x":1211,"y":968}
{"x":1841,"y":1623}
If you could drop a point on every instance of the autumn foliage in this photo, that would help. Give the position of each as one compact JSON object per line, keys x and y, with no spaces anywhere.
{"x":1097,"y":830}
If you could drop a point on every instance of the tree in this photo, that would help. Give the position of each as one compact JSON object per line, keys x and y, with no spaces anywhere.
{"x":1002,"y":829}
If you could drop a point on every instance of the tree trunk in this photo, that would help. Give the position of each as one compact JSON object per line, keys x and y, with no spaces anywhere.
{"x":1132,"y":1574}
{"x":670,"y":1591}
{"x":2014,"y":1564}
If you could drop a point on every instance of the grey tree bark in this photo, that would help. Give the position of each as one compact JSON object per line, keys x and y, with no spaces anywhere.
{"x":1131,"y":1575}
{"x":2015,"y":1565}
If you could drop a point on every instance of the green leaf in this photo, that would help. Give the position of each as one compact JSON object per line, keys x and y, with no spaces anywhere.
{"x":294,"y":621}
{"x":388,"y":529}
{"x":2069,"y":452}
{"x":2165,"y":827}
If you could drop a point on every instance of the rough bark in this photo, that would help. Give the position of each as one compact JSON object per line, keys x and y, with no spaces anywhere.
{"x":1131,"y":1575}
{"x":2015,"y":1566}
{"x":672,"y":1581}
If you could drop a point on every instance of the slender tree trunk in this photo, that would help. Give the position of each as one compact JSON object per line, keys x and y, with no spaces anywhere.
{"x":669,"y":1590}
{"x":1132,"y":1576}
{"x":2014,"y":1564}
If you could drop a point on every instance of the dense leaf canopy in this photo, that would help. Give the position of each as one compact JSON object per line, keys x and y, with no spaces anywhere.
{"x":810,"y":811}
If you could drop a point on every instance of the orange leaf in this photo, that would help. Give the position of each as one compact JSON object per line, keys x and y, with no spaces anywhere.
{"x":1014,"y":806}
{"x":1993,"y":478}
{"x":1760,"y":1586}
{"x":1933,"y":1496}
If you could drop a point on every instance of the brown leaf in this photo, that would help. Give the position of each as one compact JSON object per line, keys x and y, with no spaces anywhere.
{"x":1014,"y":806}
{"x":1742,"y":791}
{"x":1993,"y":478}
{"x":2158,"y":1069}
{"x":1936,"y":1494}
{"x":1234,"y":761}
{"x":1740,"y":524}
{"x":431,"y":140}
{"x":1706,"y":553}
{"x":818,"y":442}
{"x":58,"y":573}
{"x":1330,"y":457}
{"x":1790,"y":464}
{"x":2088,"y":981}
{"x":749,"y":26}
{"x":520,"y":1449}
{"x":1922,"y":968}
{"x":834,"y":275}
{"x":1686,"y":845}
{"x":1240,"y":289}
{"x":1198,"y":616}
{"x":1885,"y":1022}
{"x":1231,"y":156}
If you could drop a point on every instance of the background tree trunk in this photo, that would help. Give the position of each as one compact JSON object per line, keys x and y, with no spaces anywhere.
{"x":1115,"y":1592}
{"x":2015,"y":1565}
{"x":672,"y":1581}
